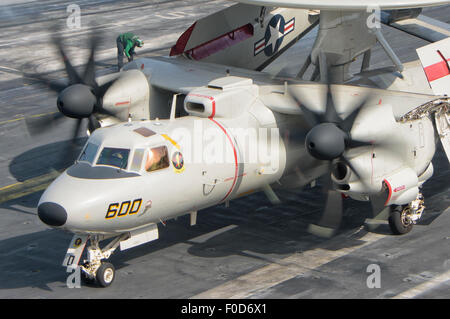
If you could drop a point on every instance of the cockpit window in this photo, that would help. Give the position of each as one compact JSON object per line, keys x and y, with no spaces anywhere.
{"x":117,"y":157}
{"x":138,"y":158}
{"x":88,"y":153}
{"x":157,"y":158}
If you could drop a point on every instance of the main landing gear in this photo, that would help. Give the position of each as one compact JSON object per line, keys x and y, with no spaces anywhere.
{"x":402,"y":218}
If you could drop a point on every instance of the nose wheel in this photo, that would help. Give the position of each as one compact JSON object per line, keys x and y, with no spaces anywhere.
{"x":105,"y":274}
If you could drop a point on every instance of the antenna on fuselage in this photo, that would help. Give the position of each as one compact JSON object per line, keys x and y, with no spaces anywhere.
{"x":174,"y":107}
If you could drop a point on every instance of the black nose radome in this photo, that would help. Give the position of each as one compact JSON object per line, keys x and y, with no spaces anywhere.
{"x":52,"y":214}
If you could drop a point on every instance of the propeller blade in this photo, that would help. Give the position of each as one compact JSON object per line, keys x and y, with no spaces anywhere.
{"x":89,"y":72}
{"x":311,"y":118}
{"x":347,"y":124}
{"x":331,"y":115}
{"x":101,"y":110}
{"x":41,"y":124}
{"x":331,"y":217}
{"x":378,"y":202}
{"x":71,"y":150}
{"x":380,"y":212}
{"x":76,"y":131}
{"x":355,"y":171}
{"x":333,"y":210}
{"x":355,"y":143}
{"x":53,"y":85}
{"x":70,"y":70}
{"x":101,"y":90}
{"x":93,"y":123}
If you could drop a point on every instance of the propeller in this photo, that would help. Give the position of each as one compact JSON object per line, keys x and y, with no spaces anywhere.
{"x":329,"y":139}
{"x":80,"y":98}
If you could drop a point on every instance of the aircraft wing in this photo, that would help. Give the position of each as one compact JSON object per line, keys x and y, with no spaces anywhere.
{"x":346,"y":4}
{"x":423,"y":27}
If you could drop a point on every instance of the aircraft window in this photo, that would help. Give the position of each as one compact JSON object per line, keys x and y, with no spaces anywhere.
{"x":117,"y":157}
{"x":88,"y":153}
{"x":157,"y":158}
{"x":138,"y":157}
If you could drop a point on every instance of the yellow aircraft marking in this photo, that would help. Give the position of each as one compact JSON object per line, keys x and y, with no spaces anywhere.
{"x":171,"y":141}
{"x":27,"y":187}
{"x":23,"y":117}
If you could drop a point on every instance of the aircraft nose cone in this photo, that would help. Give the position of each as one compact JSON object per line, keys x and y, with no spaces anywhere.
{"x":52,"y":214}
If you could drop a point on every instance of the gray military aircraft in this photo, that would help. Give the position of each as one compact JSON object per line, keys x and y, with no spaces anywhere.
{"x":208,"y":125}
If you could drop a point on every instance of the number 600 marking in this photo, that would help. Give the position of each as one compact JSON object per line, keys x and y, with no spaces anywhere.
{"x":123,"y":209}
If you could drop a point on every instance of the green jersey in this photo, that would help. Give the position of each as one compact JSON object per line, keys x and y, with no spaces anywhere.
{"x":129,"y":40}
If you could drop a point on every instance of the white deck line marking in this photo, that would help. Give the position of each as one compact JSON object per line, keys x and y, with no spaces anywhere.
{"x":432,"y":283}
{"x":285,"y":269}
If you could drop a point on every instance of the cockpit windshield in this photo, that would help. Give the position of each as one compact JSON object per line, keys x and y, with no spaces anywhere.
{"x":117,"y":157}
{"x":88,"y":153}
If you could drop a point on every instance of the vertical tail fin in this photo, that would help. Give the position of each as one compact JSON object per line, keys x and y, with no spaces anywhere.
{"x":435,"y":60}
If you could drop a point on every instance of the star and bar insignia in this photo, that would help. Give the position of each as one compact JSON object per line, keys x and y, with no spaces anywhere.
{"x":276,"y":30}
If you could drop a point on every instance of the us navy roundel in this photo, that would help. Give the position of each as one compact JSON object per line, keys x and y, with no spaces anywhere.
{"x":276,"y":30}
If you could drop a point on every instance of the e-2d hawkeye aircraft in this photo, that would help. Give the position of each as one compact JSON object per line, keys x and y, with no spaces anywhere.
{"x":207,"y":124}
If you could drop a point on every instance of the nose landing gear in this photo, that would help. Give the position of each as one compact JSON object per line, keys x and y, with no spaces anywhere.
{"x":94,"y":269}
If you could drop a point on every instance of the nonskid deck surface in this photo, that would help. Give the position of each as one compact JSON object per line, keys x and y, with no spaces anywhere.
{"x":251,"y":249}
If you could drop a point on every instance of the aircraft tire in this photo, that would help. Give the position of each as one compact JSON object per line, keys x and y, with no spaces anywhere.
{"x":105,"y":274}
{"x":397,"y":222}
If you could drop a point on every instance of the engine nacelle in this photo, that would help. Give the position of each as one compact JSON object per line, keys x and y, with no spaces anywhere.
{"x":403,"y":187}
{"x":128,"y":96}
